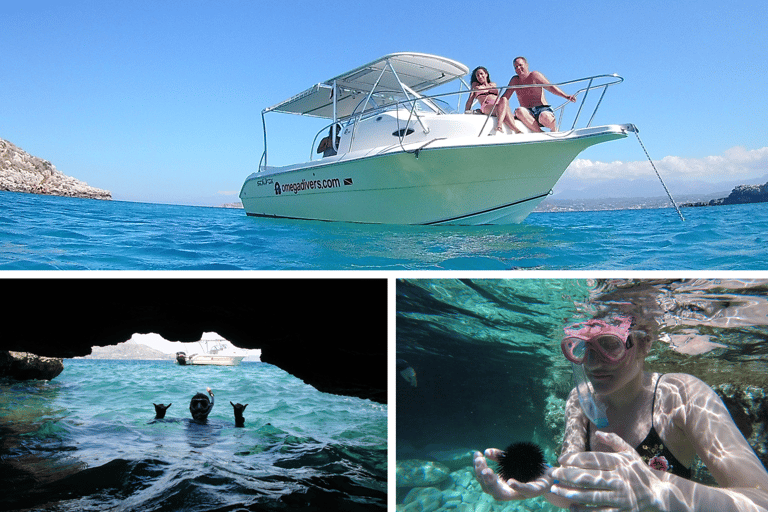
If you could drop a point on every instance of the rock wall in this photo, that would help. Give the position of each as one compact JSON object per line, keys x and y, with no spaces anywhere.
{"x":22,"y":172}
{"x":25,"y":366}
{"x":331,"y":333}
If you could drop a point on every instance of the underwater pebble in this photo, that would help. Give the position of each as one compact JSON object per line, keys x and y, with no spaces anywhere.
{"x":451,"y":496}
{"x":483,"y":507}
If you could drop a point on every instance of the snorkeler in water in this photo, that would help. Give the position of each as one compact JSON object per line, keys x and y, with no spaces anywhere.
{"x":631,"y":436}
{"x":200,"y":406}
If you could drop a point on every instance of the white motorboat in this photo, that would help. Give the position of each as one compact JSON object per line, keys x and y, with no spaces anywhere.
{"x":406,"y":158}
{"x":214,"y":352}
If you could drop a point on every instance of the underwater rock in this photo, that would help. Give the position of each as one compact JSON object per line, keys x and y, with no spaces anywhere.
{"x":454,"y":459}
{"x":26,"y":366}
{"x":554,"y":417}
{"x":420,"y":473}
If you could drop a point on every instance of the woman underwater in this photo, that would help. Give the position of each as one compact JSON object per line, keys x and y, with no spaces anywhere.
{"x":631,"y":437}
{"x":486,"y":93}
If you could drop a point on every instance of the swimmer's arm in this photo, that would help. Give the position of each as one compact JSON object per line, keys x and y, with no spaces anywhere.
{"x":742,"y":479}
{"x":682,"y":495}
{"x":574,"y":440}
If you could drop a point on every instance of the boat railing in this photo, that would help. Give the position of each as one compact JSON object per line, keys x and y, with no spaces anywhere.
{"x":597,"y":83}
{"x":593,"y":83}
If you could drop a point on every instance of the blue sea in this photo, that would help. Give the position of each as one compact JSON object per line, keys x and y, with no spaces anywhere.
{"x":88,"y":441}
{"x":58,"y":233}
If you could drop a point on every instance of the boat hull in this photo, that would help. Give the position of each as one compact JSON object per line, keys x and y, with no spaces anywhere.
{"x":215,"y":360}
{"x":467,"y":181}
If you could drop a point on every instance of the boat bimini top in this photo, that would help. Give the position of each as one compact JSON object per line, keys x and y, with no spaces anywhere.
{"x":386,"y":80}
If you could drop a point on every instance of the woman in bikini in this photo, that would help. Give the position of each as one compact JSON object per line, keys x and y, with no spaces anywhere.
{"x":487,"y":94}
{"x":631,"y":438}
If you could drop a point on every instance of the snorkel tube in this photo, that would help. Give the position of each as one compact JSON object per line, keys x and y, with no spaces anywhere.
{"x":593,"y":408}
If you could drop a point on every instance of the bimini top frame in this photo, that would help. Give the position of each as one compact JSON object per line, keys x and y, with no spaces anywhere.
{"x":415,"y":71}
{"x":340,"y":97}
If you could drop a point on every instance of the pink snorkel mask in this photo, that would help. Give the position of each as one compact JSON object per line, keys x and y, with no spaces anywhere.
{"x":609,"y":340}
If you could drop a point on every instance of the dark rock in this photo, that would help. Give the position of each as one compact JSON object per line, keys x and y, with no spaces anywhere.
{"x":742,"y":194}
{"x":26,"y":366}
{"x":331,"y":333}
{"x":747,"y":194}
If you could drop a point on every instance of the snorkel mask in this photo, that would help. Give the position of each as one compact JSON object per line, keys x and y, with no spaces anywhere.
{"x":611,"y":342}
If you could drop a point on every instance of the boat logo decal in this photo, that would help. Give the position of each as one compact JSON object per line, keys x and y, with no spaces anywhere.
{"x":310,"y":185}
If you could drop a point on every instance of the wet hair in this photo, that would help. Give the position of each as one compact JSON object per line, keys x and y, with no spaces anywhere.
{"x":474,"y":75}
{"x":521,"y":58}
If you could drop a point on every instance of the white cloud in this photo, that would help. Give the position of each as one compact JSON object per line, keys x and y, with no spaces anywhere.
{"x":737,"y":162}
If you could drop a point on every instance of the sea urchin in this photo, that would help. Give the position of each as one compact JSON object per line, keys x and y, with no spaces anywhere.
{"x":522,"y":461}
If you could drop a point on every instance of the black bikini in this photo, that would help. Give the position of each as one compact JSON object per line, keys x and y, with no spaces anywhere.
{"x":652,"y":449}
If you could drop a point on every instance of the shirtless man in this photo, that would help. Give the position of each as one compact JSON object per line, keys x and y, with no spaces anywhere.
{"x":534,"y":112}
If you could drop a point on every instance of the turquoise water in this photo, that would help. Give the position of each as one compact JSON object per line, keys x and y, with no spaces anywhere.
{"x":43,"y":232}
{"x":88,"y":440}
{"x":490,"y":370}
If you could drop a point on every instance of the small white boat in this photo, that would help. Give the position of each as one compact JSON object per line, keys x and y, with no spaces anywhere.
{"x":406,"y":158}
{"x":214,"y":352}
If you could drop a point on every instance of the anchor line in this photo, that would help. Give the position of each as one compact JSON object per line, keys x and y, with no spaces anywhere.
{"x":637,"y":134}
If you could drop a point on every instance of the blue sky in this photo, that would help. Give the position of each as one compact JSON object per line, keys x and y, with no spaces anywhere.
{"x":161,"y":101}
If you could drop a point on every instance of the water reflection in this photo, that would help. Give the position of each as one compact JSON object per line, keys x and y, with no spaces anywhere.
{"x":490,"y":369}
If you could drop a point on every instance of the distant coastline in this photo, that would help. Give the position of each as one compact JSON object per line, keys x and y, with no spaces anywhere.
{"x":615,"y":203}
{"x":742,"y":194}
{"x":129,"y":351}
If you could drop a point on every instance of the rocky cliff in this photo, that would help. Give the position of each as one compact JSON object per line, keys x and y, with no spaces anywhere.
{"x":742,"y":194}
{"x":129,"y":351}
{"x":22,"y":172}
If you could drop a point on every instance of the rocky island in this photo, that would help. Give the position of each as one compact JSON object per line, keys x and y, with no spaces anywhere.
{"x":742,"y":194}
{"x":22,"y":172}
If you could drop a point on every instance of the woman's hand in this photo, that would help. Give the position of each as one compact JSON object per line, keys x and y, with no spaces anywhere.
{"x":511,"y":489}
{"x":617,"y":481}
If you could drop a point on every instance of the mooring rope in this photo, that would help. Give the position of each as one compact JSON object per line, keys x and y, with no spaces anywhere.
{"x":637,"y":133}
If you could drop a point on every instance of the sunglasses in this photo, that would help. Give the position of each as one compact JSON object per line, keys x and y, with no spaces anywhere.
{"x":612,"y":342}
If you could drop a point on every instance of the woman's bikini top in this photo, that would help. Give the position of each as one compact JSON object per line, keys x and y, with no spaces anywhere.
{"x":484,"y":93}
{"x":652,"y":449}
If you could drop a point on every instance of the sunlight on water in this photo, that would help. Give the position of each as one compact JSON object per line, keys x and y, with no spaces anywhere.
{"x":490,"y":369}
